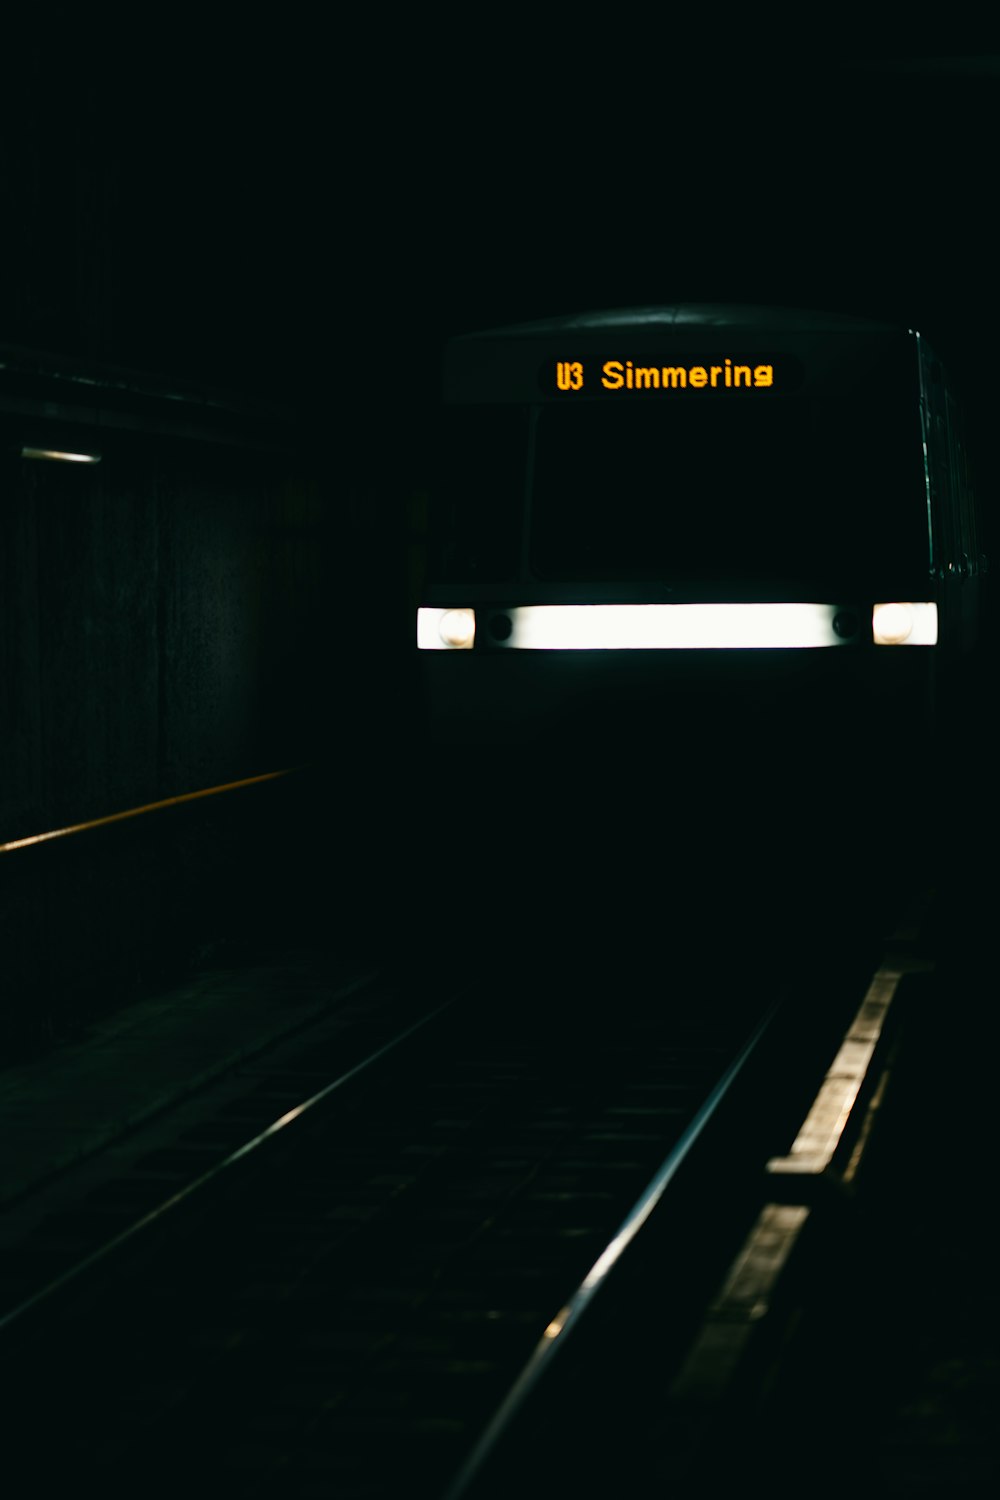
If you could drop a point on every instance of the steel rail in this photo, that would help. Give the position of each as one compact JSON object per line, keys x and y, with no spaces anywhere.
{"x":198,"y":1184}
{"x":568,"y":1318}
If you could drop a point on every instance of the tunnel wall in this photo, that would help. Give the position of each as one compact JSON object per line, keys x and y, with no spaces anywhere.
{"x":166,"y":624}
{"x":174,"y":618}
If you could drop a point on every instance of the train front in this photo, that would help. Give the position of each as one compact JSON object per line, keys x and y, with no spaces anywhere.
{"x":653,"y":524}
{"x":680,"y":607}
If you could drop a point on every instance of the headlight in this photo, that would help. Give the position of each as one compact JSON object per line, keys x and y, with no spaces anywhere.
{"x":446,"y":629}
{"x":905,"y":625}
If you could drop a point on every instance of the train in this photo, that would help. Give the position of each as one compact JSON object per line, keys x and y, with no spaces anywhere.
{"x":730,"y":502}
{"x":704,"y":597}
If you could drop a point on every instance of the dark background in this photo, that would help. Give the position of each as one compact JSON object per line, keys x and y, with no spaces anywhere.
{"x":309,"y":207}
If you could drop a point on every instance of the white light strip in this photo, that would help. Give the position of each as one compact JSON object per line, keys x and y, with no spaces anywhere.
{"x":689,"y":627}
{"x":670,"y":627}
{"x":60,"y":457}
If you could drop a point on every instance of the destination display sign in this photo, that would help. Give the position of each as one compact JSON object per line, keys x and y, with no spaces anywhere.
{"x":621,"y":376}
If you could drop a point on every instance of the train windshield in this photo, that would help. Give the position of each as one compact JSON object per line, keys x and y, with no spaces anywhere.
{"x":803,"y":489}
{"x":818,"y":484}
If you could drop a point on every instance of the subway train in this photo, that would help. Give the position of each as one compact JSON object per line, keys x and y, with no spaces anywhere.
{"x":679,"y":552}
{"x":622,"y":493}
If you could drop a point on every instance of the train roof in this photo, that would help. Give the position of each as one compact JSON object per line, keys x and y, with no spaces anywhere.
{"x":704,"y":315}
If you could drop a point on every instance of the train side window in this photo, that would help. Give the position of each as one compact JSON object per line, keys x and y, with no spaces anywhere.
{"x":955,"y":484}
{"x":964,"y":489}
{"x":969,"y":488}
{"x":948,"y":525}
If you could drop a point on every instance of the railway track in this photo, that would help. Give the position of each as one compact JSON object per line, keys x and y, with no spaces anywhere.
{"x":345,"y":1300}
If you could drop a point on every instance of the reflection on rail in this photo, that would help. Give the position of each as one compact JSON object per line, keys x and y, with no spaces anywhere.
{"x":554,"y":1336}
